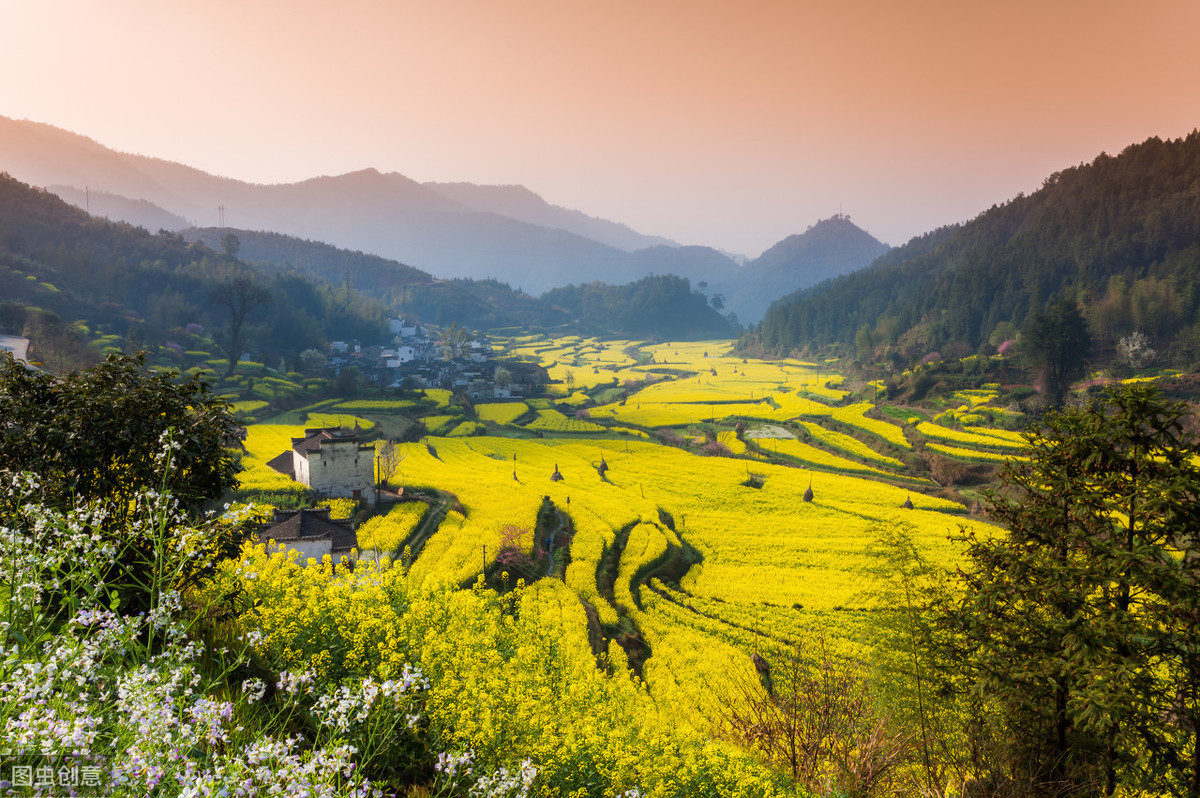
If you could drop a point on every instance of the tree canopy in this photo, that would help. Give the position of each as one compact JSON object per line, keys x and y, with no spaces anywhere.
{"x":1056,"y":342}
{"x":1077,"y":632}
{"x":99,"y":433}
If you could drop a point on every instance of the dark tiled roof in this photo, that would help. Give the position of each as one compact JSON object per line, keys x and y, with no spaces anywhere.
{"x":311,"y":524}
{"x":313,"y":438}
{"x":284,"y":464}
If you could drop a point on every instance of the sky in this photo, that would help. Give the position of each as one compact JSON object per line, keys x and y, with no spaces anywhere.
{"x":729,"y":124}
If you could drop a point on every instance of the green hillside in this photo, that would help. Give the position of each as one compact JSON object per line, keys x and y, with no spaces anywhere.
{"x":1119,"y":237}
{"x":70,"y":279}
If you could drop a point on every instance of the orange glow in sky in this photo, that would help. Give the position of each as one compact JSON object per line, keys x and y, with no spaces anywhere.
{"x":729,"y":124}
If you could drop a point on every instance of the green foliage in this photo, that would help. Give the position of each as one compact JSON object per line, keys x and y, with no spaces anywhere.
{"x":1056,"y":342}
{"x":1079,"y":628}
{"x":97,"y":434}
{"x":104,"y":435}
{"x":148,"y":289}
{"x":663,"y":306}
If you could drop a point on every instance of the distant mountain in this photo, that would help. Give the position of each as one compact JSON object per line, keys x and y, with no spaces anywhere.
{"x":410,"y":292}
{"x":140,"y":213}
{"x":1119,"y":237}
{"x":518,"y":202}
{"x":448,"y":230}
{"x":830,"y":248}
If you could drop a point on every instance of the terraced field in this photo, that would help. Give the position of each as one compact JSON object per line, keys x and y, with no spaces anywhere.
{"x":700,"y":507}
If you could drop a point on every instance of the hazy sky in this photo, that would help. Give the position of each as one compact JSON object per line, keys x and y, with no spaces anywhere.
{"x":730,"y":124}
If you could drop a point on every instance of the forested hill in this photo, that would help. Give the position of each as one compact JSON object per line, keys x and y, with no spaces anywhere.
{"x":660,"y":306}
{"x":67,"y":278}
{"x":1119,"y":236}
{"x":477,"y":304}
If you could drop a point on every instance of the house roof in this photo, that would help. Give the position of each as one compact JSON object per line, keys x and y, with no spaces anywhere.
{"x":284,"y":464}
{"x":313,"y":438}
{"x":311,"y":525}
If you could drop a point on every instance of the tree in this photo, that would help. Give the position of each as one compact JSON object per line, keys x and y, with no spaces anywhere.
{"x":812,"y":716}
{"x":502,"y":377}
{"x":456,"y":341}
{"x":387,"y":461}
{"x":231,"y":245}
{"x":1081,"y":624}
{"x":864,"y":343}
{"x":102,"y":435}
{"x":1135,"y":350}
{"x":97,"y":433}
{"x":312,"y":359}
{"x":1056,"y":342}
{"x":349,"y":380}
{"x":240,"y":296}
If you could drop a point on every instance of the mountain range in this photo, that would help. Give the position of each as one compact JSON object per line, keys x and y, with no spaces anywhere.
{"x":1117,"y":238}
{"x":451,"y":230}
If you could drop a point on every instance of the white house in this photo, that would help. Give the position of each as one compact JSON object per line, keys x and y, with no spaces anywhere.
{"x":312,"y":533}
{"x":401,"y":354}
{"x":402,"y":328}
{"x":331,"y":463}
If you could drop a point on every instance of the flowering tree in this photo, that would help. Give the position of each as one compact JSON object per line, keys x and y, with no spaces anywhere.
{"x":1135,"y":350}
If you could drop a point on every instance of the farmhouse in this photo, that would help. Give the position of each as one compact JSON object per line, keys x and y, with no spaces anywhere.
{"x":332,"y":463}
{"x":312,"y":533}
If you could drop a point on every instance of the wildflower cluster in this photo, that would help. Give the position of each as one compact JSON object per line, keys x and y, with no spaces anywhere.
{"x":120,"y":687}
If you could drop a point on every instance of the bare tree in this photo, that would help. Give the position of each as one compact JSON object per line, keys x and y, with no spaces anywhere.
{"x":813,"y":717}
{"x":239,"y":296}
{"x":455,"y":341}
{"x":387,"y":461}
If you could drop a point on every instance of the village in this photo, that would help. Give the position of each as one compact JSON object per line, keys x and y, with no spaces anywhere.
{"x":336,"y":463}
{"x":418,"y":358}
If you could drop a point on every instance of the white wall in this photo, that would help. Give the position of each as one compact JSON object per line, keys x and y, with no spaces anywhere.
{"x":311,"y":547}
{"x":340,"y":468}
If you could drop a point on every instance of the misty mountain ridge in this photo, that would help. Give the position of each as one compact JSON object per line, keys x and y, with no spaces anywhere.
{"x":452,"y":230}
{"x":114,"y":207}
{"x":518,"y":202}
{"x":386,"y":214}
{"x":829,"y":248}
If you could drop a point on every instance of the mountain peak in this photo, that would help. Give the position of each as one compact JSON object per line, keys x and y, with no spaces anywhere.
{"x":829,"y":248}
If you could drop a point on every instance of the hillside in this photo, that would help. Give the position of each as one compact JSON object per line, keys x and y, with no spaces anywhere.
{"x":67,"y":278}
{"x":653,"y":307}
{"x":411,"y":292}
{"x":1119,"y":237}
{"x":450,"y":230}
{"x":830,"y":248}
